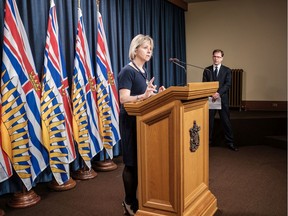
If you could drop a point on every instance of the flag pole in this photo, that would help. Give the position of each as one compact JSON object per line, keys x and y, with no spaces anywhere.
{"x":106,"y":164}
{"x":24,"y":199}
{"x":70,"y":184}
{"x":84,"y":173}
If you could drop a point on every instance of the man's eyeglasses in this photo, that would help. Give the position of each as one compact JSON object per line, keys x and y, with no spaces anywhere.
{"x":217,"y":56}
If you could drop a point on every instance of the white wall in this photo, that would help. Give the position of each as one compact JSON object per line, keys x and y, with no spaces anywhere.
{"x":253,"y":35}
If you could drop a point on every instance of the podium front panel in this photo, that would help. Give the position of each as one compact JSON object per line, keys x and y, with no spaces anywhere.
{"x":157,"y":157}
{"x":195,"y":163}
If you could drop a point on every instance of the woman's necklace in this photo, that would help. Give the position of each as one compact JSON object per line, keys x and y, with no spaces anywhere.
{"x":144,"y":75}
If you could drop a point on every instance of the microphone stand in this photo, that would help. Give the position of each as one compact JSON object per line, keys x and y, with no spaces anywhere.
{"x":180,"y":65}
{"x":177,"y":61}
{"x":173,"y":61}
{"x":189,"y":64}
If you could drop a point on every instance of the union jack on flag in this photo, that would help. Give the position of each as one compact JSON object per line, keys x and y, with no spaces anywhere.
{"x":107,"y":96}
{"x":85,"y":116}
{"x":56,"y":110}
{"x":20,"y":91}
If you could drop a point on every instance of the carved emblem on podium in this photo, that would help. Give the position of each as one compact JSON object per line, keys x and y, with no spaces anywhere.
{"x":194,"y":137}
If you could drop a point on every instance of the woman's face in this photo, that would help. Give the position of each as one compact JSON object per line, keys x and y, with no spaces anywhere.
{"x":144,"y":52}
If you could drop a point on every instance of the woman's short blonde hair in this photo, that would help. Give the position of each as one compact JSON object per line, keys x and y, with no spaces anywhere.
{"x":138,"y":41}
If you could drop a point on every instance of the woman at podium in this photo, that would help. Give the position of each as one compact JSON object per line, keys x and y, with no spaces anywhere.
{"x":134,"y":85}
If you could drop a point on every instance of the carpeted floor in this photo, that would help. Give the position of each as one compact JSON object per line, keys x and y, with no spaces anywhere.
{"x":250,"y":182}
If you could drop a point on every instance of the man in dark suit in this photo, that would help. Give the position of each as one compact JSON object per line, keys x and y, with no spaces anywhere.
{"x":222,"y":74}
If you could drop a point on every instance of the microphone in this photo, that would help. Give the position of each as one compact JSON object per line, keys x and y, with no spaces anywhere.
{"x":181,"y":63}
{"x":173,"y":59}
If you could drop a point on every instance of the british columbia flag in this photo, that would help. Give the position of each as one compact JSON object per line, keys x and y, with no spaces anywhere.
{"x":56,"y":110}
{"x":85,"y":111}
{"x":20,"y":91}
{"x":107,"y":95}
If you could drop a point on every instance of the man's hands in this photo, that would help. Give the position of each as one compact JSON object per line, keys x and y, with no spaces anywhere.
{"x":215,"y":96}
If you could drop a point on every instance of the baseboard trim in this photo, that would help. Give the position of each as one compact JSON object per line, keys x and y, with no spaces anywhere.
{"x":264,"y":105}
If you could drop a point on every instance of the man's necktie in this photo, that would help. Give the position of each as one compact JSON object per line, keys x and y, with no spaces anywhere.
{"x":216,"y":71}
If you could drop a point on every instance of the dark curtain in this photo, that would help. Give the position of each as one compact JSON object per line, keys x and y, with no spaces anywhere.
{"x":163,"y":21}
{"x":122,"y":19}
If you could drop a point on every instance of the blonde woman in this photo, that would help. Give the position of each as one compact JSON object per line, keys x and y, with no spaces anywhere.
{"x":134,"y":85}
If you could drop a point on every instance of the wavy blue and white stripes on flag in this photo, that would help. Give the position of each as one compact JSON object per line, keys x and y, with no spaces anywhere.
{"x":107,"y":94}
{"x":56,"y":111}
{"x":85,"y":111}
{"x":20,"y":90}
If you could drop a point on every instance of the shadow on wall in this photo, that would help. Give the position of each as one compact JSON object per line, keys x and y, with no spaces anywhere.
{"x":254,"y":128}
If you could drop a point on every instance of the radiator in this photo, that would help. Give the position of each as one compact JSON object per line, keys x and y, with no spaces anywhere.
{"x":235,"y":92}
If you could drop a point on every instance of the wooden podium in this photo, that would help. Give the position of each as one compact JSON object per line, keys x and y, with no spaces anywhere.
{"x":173,"y":151}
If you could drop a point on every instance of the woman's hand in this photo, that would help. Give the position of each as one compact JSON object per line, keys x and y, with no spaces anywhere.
{"x":125,"y":94}
{"x":151,"y":89}
{"x":162,"y":88}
